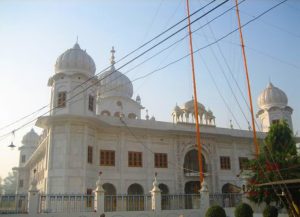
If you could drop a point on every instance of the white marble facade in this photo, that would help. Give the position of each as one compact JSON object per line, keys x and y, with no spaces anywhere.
{"x":93,"y":114}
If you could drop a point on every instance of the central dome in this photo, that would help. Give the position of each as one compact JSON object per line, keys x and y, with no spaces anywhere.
{"x":75,"y":60}
{"x":272,"y":96}
{"x":30,"y":139}
{"x":114,"y":83}
{"x":189,"y":106}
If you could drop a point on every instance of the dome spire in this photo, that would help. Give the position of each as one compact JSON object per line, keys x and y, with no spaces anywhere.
{"x":112,"y":59}
{"x":76,"y":45}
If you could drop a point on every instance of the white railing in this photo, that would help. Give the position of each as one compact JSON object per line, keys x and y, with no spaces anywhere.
{"x":13,"y":203}
{"x":54,"y":203}
{"x":180,"y":201}
{"x":226,"y":199}
{"x":127,"y":203}
{"x":35,"y":203}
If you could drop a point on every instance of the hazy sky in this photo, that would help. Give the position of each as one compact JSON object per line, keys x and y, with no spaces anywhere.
{"x":34,"y":33}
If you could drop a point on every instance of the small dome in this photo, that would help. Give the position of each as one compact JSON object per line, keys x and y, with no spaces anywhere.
{"x":272,"y":96}
{"x":176,"y":108}
{"x":114,"y":83}
{"x":138,"y":99}
{"x":209,"y":112}
{"x":189,"y":106}
{"x":75,"y":60}
{"x":31,"y":138}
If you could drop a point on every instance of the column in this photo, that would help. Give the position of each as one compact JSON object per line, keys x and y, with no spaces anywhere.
{"x":33,"y":198}
{"x":99,"y":195}
{"x":156,"y":196}
{"x":204,"y":196}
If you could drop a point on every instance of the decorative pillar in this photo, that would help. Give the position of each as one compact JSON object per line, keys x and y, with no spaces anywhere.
{"x":245,"y":176}
{"x":204,"y":196}
{"x":99,"y":194}
{"x":156,"y":196}
{"x":33,"y":197}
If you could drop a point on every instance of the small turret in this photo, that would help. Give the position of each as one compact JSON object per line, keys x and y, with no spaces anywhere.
{"x":273,"y":106}
{"x":30,"y":142}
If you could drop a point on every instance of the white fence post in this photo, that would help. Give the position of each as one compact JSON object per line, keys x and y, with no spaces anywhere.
{"x":204,"y":196}
{"x":33,"y":198}
{"x":99,"y":194}
{"x":245,"y":176}
{"x":156,"y":196}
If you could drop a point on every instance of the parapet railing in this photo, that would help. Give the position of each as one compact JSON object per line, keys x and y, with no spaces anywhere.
{"x":122,"y":202}
{"x":66,"y":203}
{"x":13,"y":203}
{"x":225,"y":199}
{"x":180,"y":201}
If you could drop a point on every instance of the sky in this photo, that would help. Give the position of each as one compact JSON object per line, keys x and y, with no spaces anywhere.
{"x":34,"y":33}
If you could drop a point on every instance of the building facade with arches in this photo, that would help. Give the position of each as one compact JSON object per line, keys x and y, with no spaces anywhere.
{"x":95,"y":125}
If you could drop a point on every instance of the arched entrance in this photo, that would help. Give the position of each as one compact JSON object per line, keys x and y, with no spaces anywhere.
{"x":135,"y":198}
{"x":110,"y":202}
{"x":231,"y":195}
{"x":191,"y":163}
{"x":190,"y":189}
{"x":165,"y":202}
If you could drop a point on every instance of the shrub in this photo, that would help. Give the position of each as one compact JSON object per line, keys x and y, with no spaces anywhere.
{"x":270,"y":211}
{"x":215,"y":211}
{"x":243,"y":210}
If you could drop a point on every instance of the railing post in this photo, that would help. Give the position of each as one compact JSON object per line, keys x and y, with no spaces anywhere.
{"x":204,"y":196}
{"x":99,"y":196}
{"x":245,"y":176}
{"x":33,"y":198}
{"x":156,"y":196}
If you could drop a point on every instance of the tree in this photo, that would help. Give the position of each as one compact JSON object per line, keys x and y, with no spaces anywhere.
{"x":243,"y":210}
{"x":277,"y":161}
{"x":10,"y":183}
{"x":270,"y":211}
{"x":1,"y":187}
{"x":215,"y":211}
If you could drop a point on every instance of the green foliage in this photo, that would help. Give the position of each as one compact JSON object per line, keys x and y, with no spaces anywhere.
{"x":270,"y":211}
{"x":280,"y":140}
{"x":277,"y":161}
{"x":243,"y":210}
{"x":9,"y":183}
{"x":215,"y":211}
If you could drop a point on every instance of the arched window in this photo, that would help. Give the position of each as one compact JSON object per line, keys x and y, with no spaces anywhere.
{"x":132,"y":116}
{"x":191,"y":163}
{"x":110,"y":202}
{"x":117,"y":114}
{"x":165,"y":202}
{"x":191,"y":188}
{"x":135,"y":200}
{"x":105,"y":112}
{"x":164,"y":188}
{"x":231,"y":197}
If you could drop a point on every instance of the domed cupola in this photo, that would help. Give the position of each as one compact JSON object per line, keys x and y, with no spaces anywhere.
{"x":75,"y":60}
{"x":189,"y":106}
{"x":31,"y":138}
{"x":272,"y":97}
{"x":114,"y":83}
{"x":273,"y":107}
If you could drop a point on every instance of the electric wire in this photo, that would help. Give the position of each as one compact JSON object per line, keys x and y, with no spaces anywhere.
{"x":242,"y":26}
{"x":181,"y":39}
{"x":195,"y":51}
{"x":141,"y":46}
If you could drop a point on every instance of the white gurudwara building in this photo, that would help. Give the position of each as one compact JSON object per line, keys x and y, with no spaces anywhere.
{"x":96,"y":125}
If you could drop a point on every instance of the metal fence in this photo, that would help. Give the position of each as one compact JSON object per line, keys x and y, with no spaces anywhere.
{"x":180,"y":201}
{"x":127,"y":203}
{"x":66,"y":203}
{"x":13,"y":203}
{"x":225,"y":200}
